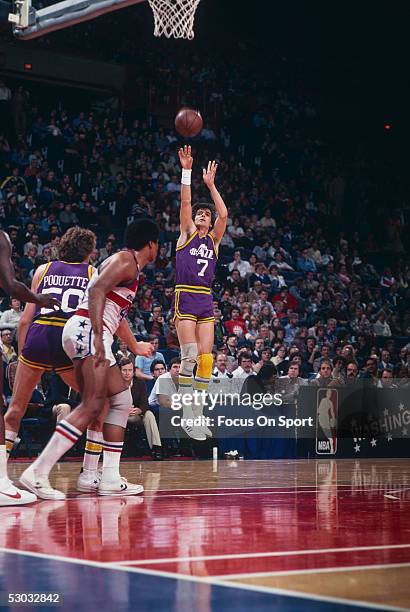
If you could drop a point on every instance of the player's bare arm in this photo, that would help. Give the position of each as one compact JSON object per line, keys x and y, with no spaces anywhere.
{"x":11,"y":285}
{"x":187,"y":226}
{"x":208,"y":176}
{"x":125,"y":334}
{"x":120,"y":268}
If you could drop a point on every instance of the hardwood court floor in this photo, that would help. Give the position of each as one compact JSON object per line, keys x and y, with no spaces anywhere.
{"x":308,"y":535}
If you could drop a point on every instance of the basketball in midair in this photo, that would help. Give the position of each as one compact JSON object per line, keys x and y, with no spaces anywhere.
{"x":188,"y":122}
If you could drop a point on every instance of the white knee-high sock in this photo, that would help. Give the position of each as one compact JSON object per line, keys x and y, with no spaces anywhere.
{"x":111,"y":460}
{"x":64,"y":438}
{"x":93,"y":449}
{"x":10,"y":439}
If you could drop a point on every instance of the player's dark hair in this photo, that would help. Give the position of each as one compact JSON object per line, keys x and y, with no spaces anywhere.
{"x":76,"y":244}
{"x":139,"y":233}
{"x":204,"y":206}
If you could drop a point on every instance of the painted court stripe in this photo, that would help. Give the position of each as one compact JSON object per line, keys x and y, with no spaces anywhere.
{"x":319,"y":570}
{"x":287,"y":492}
{"x":210,"y":581}
{"x":282,"y":553}
{"x":312,"y":597}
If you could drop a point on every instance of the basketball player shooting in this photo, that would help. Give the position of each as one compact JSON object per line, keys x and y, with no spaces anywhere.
{"x":202,"y":227}
{"x":9,"y":494}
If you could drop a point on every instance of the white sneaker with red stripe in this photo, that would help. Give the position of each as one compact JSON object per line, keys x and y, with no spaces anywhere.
{"x":40,"y":485}
{"x":119,"y":487}
{"x":11,"y":496}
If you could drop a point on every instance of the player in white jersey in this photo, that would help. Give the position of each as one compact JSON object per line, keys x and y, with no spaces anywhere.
{"x":87,"y":339}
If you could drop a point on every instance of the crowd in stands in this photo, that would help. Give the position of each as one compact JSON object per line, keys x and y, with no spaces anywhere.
{"x":313,"y":273}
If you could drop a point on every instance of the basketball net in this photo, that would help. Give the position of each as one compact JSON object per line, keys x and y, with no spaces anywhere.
{"x":174,"y":18}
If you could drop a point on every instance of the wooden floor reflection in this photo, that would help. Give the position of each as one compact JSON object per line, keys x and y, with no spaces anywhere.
{"x":338,"y":529}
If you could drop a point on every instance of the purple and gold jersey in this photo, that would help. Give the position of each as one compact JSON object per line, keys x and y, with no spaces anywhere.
{"x":43,"y":349}
{"x":67,"y":282}
{"x":195,"y":264}
{"x":195,"y":270}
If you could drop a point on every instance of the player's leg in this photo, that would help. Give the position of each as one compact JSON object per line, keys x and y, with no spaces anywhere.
{"x":120,"y":403}
{"x":89,"y":477}
{"x":186,"y":330}
{"x":189,"y":351}
{"x":205,"y":342}
{"x":9,"y":494}
{"x":26,"y":380}
{"x":68,"y":431}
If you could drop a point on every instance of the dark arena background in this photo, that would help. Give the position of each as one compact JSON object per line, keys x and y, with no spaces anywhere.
{"x":299,"y":499}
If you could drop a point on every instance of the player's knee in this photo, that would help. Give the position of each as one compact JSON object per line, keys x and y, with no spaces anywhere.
{"x":93,"y":407}
{"x":189,"y":353}
{"x":205,"y":362}
{"x":120,"y":406}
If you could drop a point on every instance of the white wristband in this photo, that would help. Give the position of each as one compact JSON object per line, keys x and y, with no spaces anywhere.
{"x":186,"y":177}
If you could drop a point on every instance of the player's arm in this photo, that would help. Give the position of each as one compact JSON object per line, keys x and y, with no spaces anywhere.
{"x":186,"y":223}
{"x":125,"y":334}
{"x":28,"y":312}
{"x":219,"y":227}
{"x":120,"y":269}
{"x":11,"y":285}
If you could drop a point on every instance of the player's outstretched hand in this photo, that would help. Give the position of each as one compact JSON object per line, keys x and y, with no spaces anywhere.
{"x":145,"y":349}
{"x":208,"y":174}
{"x":46,"y":301}
{"x":185,"y":157}
{"x":99,"y":356}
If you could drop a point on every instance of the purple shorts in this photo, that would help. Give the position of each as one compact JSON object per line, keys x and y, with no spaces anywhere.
{"x":193,"y":306}
{"x":43,"y":348}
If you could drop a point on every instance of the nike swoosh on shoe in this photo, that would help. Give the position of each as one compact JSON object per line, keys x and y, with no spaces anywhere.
{"x":13,"y":496}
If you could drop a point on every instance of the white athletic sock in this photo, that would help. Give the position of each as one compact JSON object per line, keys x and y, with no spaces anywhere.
{"x":111,"y":460}
{"x":93,"y":449}
{"x":10,"y":439}
{"x":64,"y":438}
{"x":3,"y":462}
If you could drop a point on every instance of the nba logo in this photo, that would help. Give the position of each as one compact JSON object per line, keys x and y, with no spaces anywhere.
{"x":326,"y":422}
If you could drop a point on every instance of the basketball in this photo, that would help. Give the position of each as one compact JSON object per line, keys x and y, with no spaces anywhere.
{"x":188,"y":122}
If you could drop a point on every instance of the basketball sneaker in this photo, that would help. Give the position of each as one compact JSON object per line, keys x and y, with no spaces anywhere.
{"x":88,"y":482}
{"x":193,"y":431}
{"x":199,"y":412}
{"x":11,"y":496}
{"x":119,"y":487}
{"x":40,"y":485}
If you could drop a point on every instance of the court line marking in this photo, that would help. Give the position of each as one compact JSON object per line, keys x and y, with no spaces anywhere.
{"x":288,"y":492}
{"x":319,"y":570}
{"x":202,"y":580}
{"x":277,"y":553}
{"x":78,"y":496}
